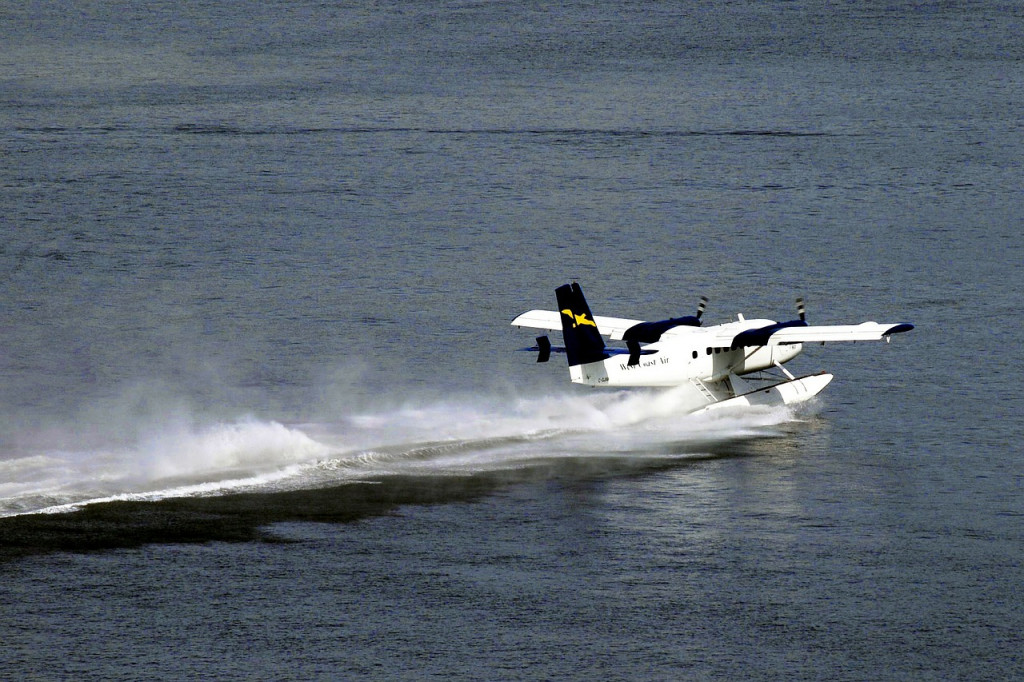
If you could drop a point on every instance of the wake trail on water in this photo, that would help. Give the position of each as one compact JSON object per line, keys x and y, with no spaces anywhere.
{"x":433,"y":439}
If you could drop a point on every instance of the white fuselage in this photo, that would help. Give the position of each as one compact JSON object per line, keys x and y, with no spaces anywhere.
{"x":691,"y":353}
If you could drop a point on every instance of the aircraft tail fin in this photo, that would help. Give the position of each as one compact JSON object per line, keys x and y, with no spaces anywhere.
{"x":583,"y":342}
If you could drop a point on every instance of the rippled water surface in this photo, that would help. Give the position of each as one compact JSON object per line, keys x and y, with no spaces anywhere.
{"x":261,"y":414}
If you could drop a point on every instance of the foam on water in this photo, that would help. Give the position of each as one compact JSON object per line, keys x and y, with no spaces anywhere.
{"x":430,"y":439}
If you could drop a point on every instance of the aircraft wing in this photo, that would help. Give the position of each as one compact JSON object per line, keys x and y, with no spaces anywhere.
{"x":787,"y":333}
{"x":773,"y":334}
{"x":866,"y":331}
{"x":613,"y":327}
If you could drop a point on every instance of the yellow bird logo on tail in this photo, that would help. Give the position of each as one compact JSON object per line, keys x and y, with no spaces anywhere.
{"x":579,"y":320}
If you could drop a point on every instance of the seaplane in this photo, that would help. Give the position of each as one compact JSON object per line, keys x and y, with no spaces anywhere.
{"x":734,"y":364}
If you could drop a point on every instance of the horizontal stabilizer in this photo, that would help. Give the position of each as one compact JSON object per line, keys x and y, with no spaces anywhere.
{"x":541,"y":348}
{"x":551,"y":320}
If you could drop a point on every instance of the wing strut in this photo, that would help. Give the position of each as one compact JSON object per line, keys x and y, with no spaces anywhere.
{"x":785,"y":371}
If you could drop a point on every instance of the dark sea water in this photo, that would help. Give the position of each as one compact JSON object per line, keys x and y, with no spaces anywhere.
{"x":260,"y":411}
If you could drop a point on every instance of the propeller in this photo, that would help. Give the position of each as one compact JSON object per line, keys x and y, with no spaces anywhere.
{"x":702,"y":306}
{"x":759,"y":337}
